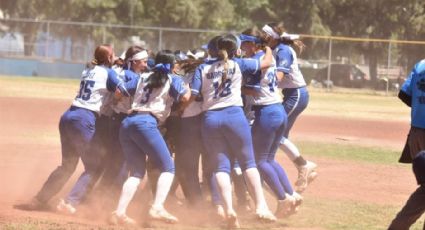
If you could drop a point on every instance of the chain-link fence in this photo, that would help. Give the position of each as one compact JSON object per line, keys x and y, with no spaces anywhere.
{"x":75,"y":41}
{"x":354,"y":62}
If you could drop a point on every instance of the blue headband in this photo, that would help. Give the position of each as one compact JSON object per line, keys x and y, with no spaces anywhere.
{"x":163,"y":68}
{"x":248,"y":38}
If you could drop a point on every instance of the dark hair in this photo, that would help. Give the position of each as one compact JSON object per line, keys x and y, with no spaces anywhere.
{"x":189,"y":65}
{"x":227,"y":43}
{"x":160,"y":75}
{"x":280,"y":29}
{"x":102,"y":55}
{"x":227,"y":47}
{"x":213,"y":46}
{"x":131,"y":51}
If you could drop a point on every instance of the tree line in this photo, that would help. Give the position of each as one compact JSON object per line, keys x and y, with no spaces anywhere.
{"x":385,"y":19}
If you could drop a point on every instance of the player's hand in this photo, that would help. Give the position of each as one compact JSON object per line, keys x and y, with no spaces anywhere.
{"x":117,"y":94}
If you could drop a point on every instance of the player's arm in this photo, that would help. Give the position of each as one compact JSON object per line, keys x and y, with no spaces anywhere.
{"x":195,"y":89}
{"x":252,"y":85}
{"x":179,"y":90}
{"x":405,"y":98}
{"x":267,"y":60}
{"x":284,"y":61}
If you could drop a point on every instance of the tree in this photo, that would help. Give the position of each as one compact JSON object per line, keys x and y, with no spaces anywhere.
{"x":355,"y":18}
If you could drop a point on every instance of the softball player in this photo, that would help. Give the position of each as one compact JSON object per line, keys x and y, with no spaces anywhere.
{"x":134,"y":63}
{"x":412,"y":93}
{"x":153,"y":94}
{"x":295,"y":95}
{"x":188,"y":156}
{"x":77,"y":129}
{"x":224,"y":127}
{"x":269,"y":124}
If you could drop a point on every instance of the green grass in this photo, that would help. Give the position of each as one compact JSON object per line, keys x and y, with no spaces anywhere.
{"x":36,"y":224}
{"x":357,"y":104}
{"x":350,"y":152}
{"x":38,"y":87}
{"x":338,"y":215}
{"x":346,"y":103}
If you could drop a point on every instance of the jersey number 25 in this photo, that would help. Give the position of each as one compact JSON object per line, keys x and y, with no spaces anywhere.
{"x":85,"y":89}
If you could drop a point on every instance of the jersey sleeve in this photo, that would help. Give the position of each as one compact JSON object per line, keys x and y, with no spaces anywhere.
{"x":284,"y":60}
{"x":113,"y":80}
{"x":253,"y":82}
{"x":196,"y":84}
{"x":129,"y":87}
{"x":177,"y":87}
{"x":248,"y":65}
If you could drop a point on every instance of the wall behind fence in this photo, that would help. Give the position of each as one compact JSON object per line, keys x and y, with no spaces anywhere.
{"x":36,"y":67}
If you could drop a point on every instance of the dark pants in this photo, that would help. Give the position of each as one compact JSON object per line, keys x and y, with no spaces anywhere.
{"x":190,"y":148}
{"x":115,"y":171}
{"x":412,"y":210}
{"x":415,"y":205}
{"x":76,"y":128}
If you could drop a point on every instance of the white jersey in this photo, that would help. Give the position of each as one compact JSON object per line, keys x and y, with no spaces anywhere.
{"x":287,"y":63}
{"x":157,"y":101}
{"x":195,"y":107}
{"x":229,"y":94}
{"x":93,"y":92}
{"x":265,"y":84}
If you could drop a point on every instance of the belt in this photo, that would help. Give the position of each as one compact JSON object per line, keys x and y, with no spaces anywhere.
{"x":73,"y":107}
{"x":144,"y":112}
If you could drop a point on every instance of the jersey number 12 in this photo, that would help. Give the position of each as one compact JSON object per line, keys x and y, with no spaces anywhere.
{"x":225,"y":90}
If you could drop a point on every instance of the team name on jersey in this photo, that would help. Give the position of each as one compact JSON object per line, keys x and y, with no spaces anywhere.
{"x":88,"y":75}
{"x":219,"y":74}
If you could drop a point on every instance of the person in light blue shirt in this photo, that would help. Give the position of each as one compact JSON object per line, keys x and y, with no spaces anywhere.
{"x":412,"y":93}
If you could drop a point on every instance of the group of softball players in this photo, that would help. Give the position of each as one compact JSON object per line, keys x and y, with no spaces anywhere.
{"x":224,"y":106}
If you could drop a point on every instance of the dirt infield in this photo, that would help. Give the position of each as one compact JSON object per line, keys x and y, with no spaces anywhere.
{"x":30,"y":150}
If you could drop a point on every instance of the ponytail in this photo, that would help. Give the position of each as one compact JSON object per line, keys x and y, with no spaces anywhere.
{"x":189,"y":65}
{"x":164,"y":63}
{"x":297,"y":44}
{"x":222,"y":55}
{"x":159,"y":76}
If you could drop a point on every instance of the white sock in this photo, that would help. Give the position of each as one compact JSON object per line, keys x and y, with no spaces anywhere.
{"x":162,"y":188}
{"x":225,"y":186}
{"x":289,"y":148}
{"x":252,"y":177}
{"x":128,"y":190}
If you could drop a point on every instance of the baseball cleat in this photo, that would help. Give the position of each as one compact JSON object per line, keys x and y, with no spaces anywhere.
{"x":298,"y":201}
{"x":232,"y":221}
{"x":220,"y":211}
{"x":33,"y":205}
{"x":162,"y":214}
{"x":265,"y":215}
{"x":116,"y":219}
{"x":65,"y":207}
{"x":285,"y":206}
{"x":306,"y":174}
